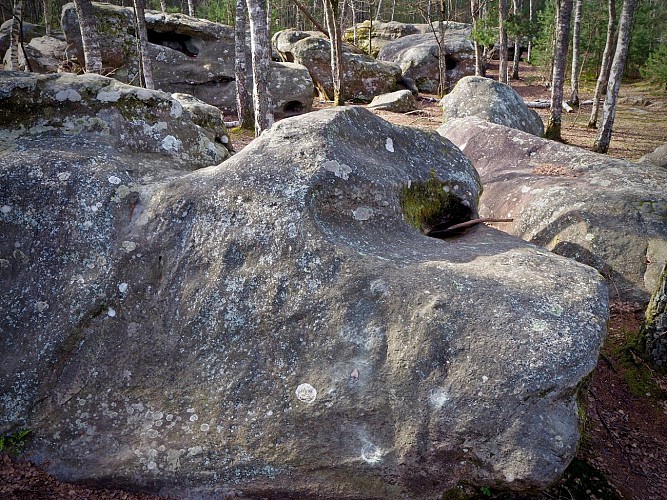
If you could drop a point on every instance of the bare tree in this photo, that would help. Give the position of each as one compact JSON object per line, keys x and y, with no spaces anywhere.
{"x":15,"y":41}
{"x":47,"y":21}
{"x":191,"y":8}
{"x":261,"y":57}
{"x":563,"y":15}
{"x":146,"y":65}
{"x":163,"y":5}
{"x":241,"y":67}
{"x":576,"y":39}
{"x":480,"y":62}
{"x":516,"y":7}
{"x":620,"y":56}
{"x":502,"y":40}
{"x":605,"y":66}
{"x":89,"y":40}
{"x":529,"y":55}
{"x":333,"y":26}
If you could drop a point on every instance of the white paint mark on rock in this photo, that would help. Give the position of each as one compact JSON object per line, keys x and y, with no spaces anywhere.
{"x":371,"y":454}
{"x":306,"y":393}
{"x":389,"y":145}
{"x":362,"y":213}
{"x":111,"y":312}
{"x":114,"y":180}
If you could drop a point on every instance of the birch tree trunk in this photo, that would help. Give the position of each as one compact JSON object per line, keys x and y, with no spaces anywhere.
{"x":603,"y":138}
{"x":47,"y":20}
{"x":146,"y":64}
{"x":605,"y":65}
{"x":517,"y":43}
{"x":530,"y":40}
{"x":502,"y":39}
{"x":331,"y":18}
{"x":563,"y":15}
{"x":89,"y":40}
{"x":576,"y":41}
{"x":261,"y":58}
{"x":163,"y":5}
{"x":191,"y":8}
{"x":15,"y":41}
{"x":442,"y":56}
{"x":241,"y":68}
{"x":480,"y":69}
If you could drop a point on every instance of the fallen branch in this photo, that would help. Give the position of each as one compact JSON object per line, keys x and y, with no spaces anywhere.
{"x":466,"y":224}
{"x":546,"y":105}
{"x":232,"y":124}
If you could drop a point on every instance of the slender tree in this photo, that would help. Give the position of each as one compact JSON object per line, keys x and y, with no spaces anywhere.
{"x":576,"y":42}
{"x":191,"y":8}
{"x":502,"y":38}
{"x":163,"y":5}
{"x":89,"y":39}
{"x":146,"y":64}
{"x":241,"y":68}
{"x":335,"y":39}
{"x":261,"y":57}
{"x":603,"y":138}
{"x":605,"y":66}
{"x":516,"y":8}
{"x":47,"y":20}
{"x":15,"y":41}
{"x":442,"y":55}
{"x":529,"y":55}
{"x":563,"y":15}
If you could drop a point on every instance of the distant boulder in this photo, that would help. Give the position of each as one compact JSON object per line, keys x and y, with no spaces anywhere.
{"x":491,"y":101}
{"x":30,"y":31}
{"x":364,"y":77}
{"x":401,"y":101}
{"x":418,"y":57}
{"x":657,"y":157}
{"x":604,"y":212}
{"x":46,"y":54}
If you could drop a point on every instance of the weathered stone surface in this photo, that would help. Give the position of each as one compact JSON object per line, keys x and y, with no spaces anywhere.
{"x":610,"y":214}
{"x":30,"y":31}
{"x":45,"y":53}
{"x":274,"y":326}
{"x":129,"y":118}
{"x":654,"y":329}
{"x":189,"y":55}
{"x":491,"y":101}
{"x":400,"y":101}
{"x":417,"y":55}
{"x":657,"y":157}
{"x":364,"y":77}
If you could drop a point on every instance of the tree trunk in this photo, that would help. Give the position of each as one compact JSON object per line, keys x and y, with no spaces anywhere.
{"x":605,"y":66}
{"x":15,"y":41}
{"x":529,"y":55}
{"x":609,"y":109}
{"x":377,"y":12}
{"x":576,"y":41}
{"x":88,"y":27}
{"x":241,"y":68}
{"x":261,"y":57}
{"x":563,"y":15}
{"x":442,"y":55}
{"x":502,"y":39}
{"x":331,"y":18}
{"x":163,"y":5}
{"x":517,"y":43}
{"x":47,"y":19}
{"x":146,"y":64}
{"x":480,"y":66}
{"x":191,"y":8}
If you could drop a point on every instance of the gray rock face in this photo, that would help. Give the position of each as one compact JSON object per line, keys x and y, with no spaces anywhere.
{"x":657,"y":157}
{"x":400,"y":101}
{"x":30,"y":31}
{"x":417,"y":55}
{"x":610,"y":214}
{"x":654,"y":329}
{"x":274,"y":327}
{"x":45,"y":53}
{"x":123,"y":116}
{"x":189,"y":55}
{"x":364,"y":77}
{"x":491,"y":101}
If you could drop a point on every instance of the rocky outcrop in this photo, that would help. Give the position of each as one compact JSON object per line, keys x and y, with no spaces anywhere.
{"x":657,"y":157}
{"x":189,"y":55}
{"x":124,"y":117}
{"x":274,"y":325}
{"x":607,"y":213}
{"x":46,"y":54}
{"x":418,"y":57}
{"x":364,"y":77}
{"x":30,"y":31}
{"x":401,"y":101}
{"x":491,"y":101}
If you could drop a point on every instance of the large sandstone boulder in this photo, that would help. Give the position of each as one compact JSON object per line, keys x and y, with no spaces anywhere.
{"x":401,"y":101}
{"x":491,"y":101}
{"x":656,"y":157}
{"x":189,"y":55}
{"x":610,"y":214}
{"x":116,"y":114}
{"x":273,"y":326}
{"x":364,"y":77}
{"x":418,"y":57}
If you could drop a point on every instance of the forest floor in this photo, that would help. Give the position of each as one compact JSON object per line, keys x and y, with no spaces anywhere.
{"x":623,"y":451}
